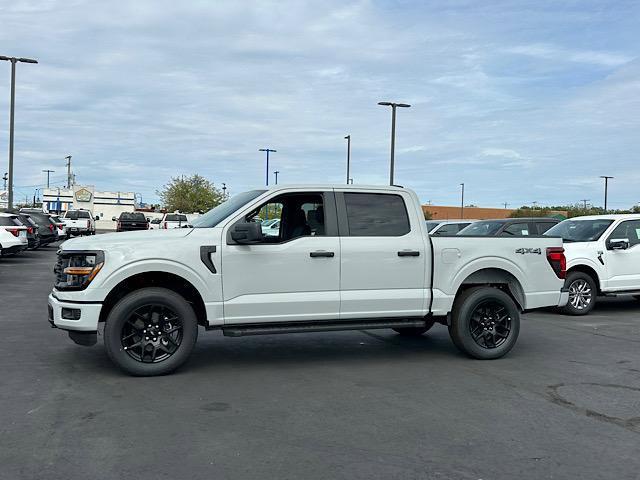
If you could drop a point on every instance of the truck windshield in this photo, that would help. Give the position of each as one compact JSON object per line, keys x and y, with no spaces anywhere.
{"x":579,"y":230}
{"x":487,"y":228}
{"x":214,"y":216}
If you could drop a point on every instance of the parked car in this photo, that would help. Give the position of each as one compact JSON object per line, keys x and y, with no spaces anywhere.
{"x":79,"y":222}
{"x":509,"y":227}
{"x":61,"y":228}
{"x":128,"y":221}
{"x":370,"y":264}
{"x":46,"y":227}
{"x":447,"y":227}
{"x":9,"y":243}
{"x":603,"y":258}
{"x":10,"y":223}
{"x":271,"y":227}
{"x":154,"y":224}
{"x":33,"y":237}
{"x":174,"y":220}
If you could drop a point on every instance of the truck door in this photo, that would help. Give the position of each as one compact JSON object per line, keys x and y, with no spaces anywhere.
{"x":383,"y":260}
{"x":294,"y":273}
{"x":623,"y":266}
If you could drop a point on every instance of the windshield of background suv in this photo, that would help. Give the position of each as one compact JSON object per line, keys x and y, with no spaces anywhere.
{"x":487,"y":228}
{"x":214,"y":216}
{"x":432,"y":225}
{"x":579,"y":230}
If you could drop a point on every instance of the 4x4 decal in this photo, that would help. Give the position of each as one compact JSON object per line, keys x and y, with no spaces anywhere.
{"x":535,"y":251}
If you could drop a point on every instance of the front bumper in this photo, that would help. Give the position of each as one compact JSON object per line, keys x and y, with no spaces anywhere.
{"x":87,"y":321}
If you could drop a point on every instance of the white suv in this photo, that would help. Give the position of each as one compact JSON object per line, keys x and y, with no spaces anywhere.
{"x":603,"y":258}
{"x":174,"y":220}
{"x":13,"y":235}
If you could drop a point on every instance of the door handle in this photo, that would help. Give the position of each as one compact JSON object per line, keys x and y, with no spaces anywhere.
{"x":321,"y":253}
{"x":408,"y":253}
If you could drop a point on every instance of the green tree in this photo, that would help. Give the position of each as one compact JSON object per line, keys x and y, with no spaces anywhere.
{"x":527,"y":211}
{"x":190,"y":194}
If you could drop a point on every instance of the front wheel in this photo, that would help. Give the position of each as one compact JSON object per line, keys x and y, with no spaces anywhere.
{"x":485,"y":323}
{"x":151,"y":331}
{"x":582,"y":293}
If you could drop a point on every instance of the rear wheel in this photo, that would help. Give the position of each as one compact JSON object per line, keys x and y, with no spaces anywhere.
{"x":151,"y":331}
{"x":415,"y":331}
{"x":582,"y":293}
{"x":485,"y":323}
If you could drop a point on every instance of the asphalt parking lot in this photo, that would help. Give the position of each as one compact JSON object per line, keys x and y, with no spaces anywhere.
{"x":358,"y":405}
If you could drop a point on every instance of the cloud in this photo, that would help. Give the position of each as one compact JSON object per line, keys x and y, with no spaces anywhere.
{"x":553,"y":52}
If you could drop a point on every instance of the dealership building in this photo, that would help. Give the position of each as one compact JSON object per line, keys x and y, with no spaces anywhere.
{"x":104,"y":205}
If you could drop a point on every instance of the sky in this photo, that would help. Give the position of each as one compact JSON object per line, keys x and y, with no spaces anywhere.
{"x":521,"y":101}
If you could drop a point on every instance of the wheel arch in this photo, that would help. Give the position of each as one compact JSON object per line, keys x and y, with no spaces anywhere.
{"x":170,"y":281}
{"x":587,"y":270}
{"x":497,"y":278}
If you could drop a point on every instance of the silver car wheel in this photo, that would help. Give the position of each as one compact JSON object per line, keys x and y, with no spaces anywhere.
{"x":580,"y":294}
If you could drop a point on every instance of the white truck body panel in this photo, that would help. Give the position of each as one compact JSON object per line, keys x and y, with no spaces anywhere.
{"x":277,"y":282}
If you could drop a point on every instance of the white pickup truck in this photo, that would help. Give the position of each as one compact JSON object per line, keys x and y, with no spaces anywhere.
{"x":345,"y":258}
{"x":603,"y":258}
{"x":79,"y":222}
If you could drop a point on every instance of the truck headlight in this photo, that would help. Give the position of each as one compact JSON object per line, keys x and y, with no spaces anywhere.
{"x":76,"y":269}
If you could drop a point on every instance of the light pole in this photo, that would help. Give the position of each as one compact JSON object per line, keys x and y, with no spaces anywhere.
{"x":68,"y":159}
{"x":13,"y":61}
{"x":5,"y":180}
{"x":224,"y":191}
{"x":462,"y":202}
{"x":348,"y":139}
{"x":606,"y":189}
{"x":276,"y":174}
{"x":393,"y":132}
{"x":268,"y":150}
{"x":48,"y":172}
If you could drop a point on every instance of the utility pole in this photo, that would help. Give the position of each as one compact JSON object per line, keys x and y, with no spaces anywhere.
{"x":535,"y":204}
{"x":276,"y":174}
{"x":606,"y":188}
{"x":12,"y":108}
{"x":224,"y":191}
{"x":393,"y":134}
{"x":348,"y":139}
{"x":268,"y":150}
{"x":68,"y":159}
{"x":505,"y":205}
{"x":462,"y":202}
{"x":48,"y":172}
{"x":5,"y":180}
{"x":584,"y":201}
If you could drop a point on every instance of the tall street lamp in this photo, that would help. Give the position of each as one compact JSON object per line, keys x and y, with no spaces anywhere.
{"x":348,"y":139}
{"x":606,"y":188}
{"x":13,"y":61}
{"x":393,"y":132}
{"x":268,"y":150}
{"x":48,"y":172}
{"x":462,"y":202}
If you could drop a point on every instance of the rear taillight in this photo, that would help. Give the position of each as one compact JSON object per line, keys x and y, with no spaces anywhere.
{"x":13,"y":231}
{"x":51,"y":227}
{"x":29,"y":230}
{"x":557,"y":260}
{"x":60,"y":227}
{"x":165,"y":225}
{"x":88,"y":224}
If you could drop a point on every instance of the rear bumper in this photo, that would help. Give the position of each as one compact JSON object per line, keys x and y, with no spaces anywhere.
{"x":88,"y":316}
{"x":564,"y":297}
{"x":14,"y":249}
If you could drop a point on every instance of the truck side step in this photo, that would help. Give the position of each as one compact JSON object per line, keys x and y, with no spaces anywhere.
{"x":302,"y":327}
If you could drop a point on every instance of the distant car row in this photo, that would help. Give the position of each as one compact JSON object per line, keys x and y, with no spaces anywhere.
{"x":130,"y":221}
{"x":28,"y":229}
{"x":503,"y":227}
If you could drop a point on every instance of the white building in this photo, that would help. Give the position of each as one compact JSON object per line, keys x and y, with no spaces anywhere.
{"x":101,"y":204}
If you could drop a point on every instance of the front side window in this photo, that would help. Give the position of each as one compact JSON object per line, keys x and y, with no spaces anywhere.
{"x":485,"y":228}
{"x":376,"y":215}
{"x":290,"y":216}
{"x":629,"y":230}
{"x":227,"y":208}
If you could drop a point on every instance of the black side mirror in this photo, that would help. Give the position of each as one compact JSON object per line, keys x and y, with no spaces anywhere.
{"x":113,"y":219}
{"x":618,"y":244}
{"x":246,"y":233}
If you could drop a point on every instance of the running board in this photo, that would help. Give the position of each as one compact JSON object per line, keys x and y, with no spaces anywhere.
{"x":302,"y":327}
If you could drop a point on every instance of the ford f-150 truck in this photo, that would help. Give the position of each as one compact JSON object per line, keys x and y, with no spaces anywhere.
{"x":603,"y":258}
{"x":345,"y":258}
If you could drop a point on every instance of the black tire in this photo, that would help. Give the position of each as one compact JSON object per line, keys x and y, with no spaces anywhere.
{"x":415,"y":331}
{"x":163,"y":300}
{"x":582,"y":288}
{"x":485,"y":323}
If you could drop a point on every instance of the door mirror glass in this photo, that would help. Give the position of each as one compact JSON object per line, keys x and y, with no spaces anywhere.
{"x":618,"y":244}
{"x":246,"y":233}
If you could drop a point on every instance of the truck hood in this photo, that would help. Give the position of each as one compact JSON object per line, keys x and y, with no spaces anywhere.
{"x":110,"y":240}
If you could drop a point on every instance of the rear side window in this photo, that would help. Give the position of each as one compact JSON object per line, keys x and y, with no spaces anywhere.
{"x":376,"y":215}
{"x":449,"y":229}
{"x":544,"y":226}
{"x":516,"y":230}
